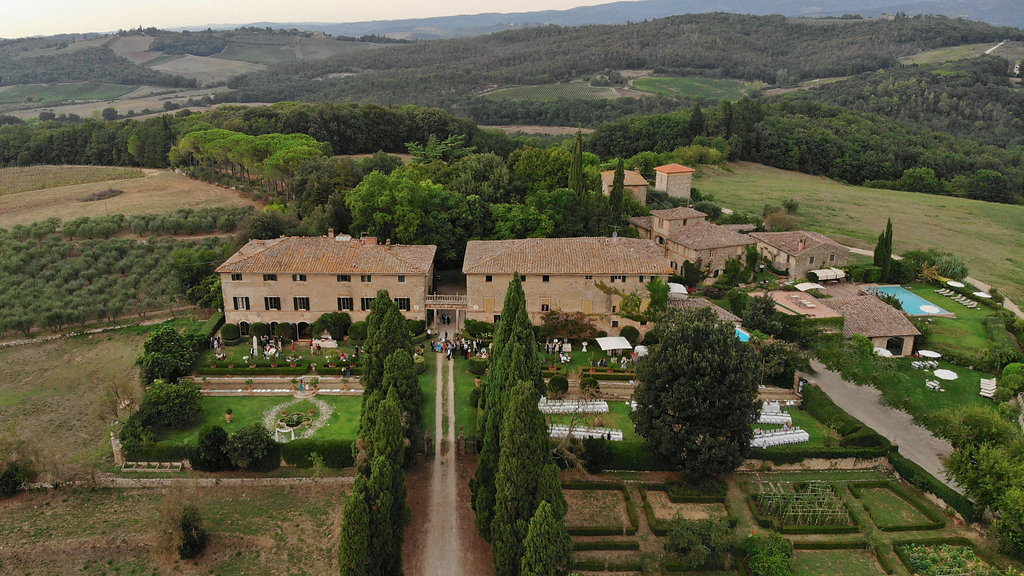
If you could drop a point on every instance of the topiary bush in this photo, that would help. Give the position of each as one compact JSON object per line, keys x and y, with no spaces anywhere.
{"x":259,"y":329}
{"x":229,"y":332}
{"x":207,"y":454}
{"x":416,"y":327}
{"x":557,"y":385}
{"x":284,"y":330}
{"x":477,"y":366}
{"x":630,"y":333}
{"x":419,"y":364}
{"x":357,"y":331}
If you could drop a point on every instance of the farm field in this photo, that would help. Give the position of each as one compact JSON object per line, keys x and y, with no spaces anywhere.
{"x":56,"y":94}
{"x":695,"y":88}
{"x":278,"y":50}
{"x":252,"y":530}
{"x":158,"y":191}
{"x":135,"y":101}
{"x":134,"y":48}
{"x":835,"y":563}
{"x":1012,"y":51}
{"x":15,"y":180}
{"x":989,"y":236}
{"x":206,"y":70}
{"x":551,"y":92}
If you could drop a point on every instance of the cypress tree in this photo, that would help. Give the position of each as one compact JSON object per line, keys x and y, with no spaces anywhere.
{"x":354,"y":548}
{"x":618,"y":192}
{"x":576,"y":181}
{"x":883,"y":251}
{"x":546,"y":546}
{"x":386,"y":332}
{"x":514,"y":359}
{"x":697,"y":122}
{"x":525,"y":450}
{"x":381,"y":501}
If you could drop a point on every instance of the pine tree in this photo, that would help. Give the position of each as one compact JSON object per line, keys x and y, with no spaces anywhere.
{"x":354,"y":549}
{"x":525,"y":450}
{"x":618,"y":191}
{"x":576,"y":178}
{"x":547,"y":545}
{"x":514,"y":358}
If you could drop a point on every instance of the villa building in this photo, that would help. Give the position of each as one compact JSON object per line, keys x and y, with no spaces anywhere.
{"x":633,"y":181}
{"x":798,"y":252}
{"x":884,"y":325}
{"x":297,"y":279}
{"x":685,"y":235}
{"x":562,"y":274}
{"x":674,"y":180}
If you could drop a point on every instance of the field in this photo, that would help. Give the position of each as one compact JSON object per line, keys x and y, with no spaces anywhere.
{"x":551,"y":92}
{"x":835,"y":563}
{"x":253,"y":530}
{"x":134,"y":48}
{"x":142,"y":98}
{"x":56,"y":94}
{"x":205,"y":69}
{"x":1012,"y":51}
{"x":990,"y":237}
{"x":158,"y":191}
{"x":15,"y":180}
{"x":694,"y":88}
{"x":297,"y":48}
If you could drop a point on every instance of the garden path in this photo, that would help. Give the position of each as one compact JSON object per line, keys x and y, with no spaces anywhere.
{"x":864,"y":403}
{"x":444,"y":546}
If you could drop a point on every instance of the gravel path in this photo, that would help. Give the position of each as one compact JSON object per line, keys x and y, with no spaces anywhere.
{"x":443,"y":550}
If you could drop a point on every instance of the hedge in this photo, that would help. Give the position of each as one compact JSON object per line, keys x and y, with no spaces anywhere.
{"x":419,"y":364}
{"x":830,"y":544}
{"x":164,"y":451}
{"x":635,"y":456}
{"x":271,"y":460}
{"x":337,"y":454}
{"x":937,"y":519}
{"x":340,"y":370}
{"x":578,"y":546}
{"x":229,"y":332}
{"x":923,"y":480}
{"x":712,"y":490}
{"x":477,"y":366}
{"x":246,"y":371}
{"x":794,"y":453}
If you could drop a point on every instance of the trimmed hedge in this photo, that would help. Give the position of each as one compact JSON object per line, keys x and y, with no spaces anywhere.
{"x":340,"y":370}
{"x":712,"y":490}
{"x":937,"y":519}
{"x":923,"y":480}
{"x":246,"y":371}
{"x":606,"y":545}
{"x":477,"y":366}
{"x":830,"y":545}
{"x":635,"y":456}
{"x":794,"y":453}
{"x":158,"y":452}
{"x":229,"y":332}
{"x":419,"y":364}
{"x":337,"y":454}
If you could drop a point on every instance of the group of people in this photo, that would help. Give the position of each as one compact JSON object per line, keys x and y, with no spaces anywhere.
{"x":459,"y":345}
{"x":444,"y":319}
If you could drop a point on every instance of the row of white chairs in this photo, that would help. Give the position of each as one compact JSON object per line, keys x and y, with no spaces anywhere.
{"x":780,"y":418}
{"x":924,"y":364}
{"x":572,"y":406}
{"x":957,"y":298}
{"x":780,"y":437}
{"x":988,"y":387}
{"x":562,"y":431}
{"x":934,"y":385}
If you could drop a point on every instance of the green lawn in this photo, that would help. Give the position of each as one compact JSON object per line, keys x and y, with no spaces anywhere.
{"x":888,"y":510}
{"x":835,"y":563}
{"x":906,"y":388}
{"x":343,"y":423}
{"x":965,"y":333}
{"x":989,"y":236}
{"x":465,"y":412}
{"x":428,"y":385}
{"x":617,"y":417}
{"x":716,"y":89}
{"x":237,"y":354}
{"x":579,"y":359}
{"x":821,"y":435}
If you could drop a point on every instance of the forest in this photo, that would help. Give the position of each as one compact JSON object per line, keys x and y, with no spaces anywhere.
{"x":98,"y":64}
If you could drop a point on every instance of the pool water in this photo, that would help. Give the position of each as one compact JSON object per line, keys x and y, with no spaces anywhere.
{"x":743,"y":336}
{"x":912,"y":303}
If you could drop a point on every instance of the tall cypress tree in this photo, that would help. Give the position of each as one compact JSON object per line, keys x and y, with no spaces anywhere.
{"x":618,"y":192}
{"x":697,"y":122}
{"x":883,"y":251}
{"x":576,"y":181}
{"x":354,"y":548}
{"x":514,"y":358}
{"x":547,"y":545}
{"x":385,"y":332}
{"x":386,"y":488}
{"x":525,"y":450}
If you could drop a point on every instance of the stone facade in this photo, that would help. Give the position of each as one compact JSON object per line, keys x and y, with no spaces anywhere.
{"x":686,"y":235}
{"x":799,"y":252}
{"x":633,"y":182}
{"x":675,"y":180}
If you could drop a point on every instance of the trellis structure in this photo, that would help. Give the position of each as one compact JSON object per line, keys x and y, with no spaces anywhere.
{"x":816,"y":504}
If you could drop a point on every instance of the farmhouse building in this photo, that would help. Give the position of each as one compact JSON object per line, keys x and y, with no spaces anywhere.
{"x":685,"y":235}
{"x":633,"y":181}
{"x":674,"y":180}
{"x":884,"y":325}
{"x":562,"y":274}
{"x":797,"y":252}
{"x":297,"y":279}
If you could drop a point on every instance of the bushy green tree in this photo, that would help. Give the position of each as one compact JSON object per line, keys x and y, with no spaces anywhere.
{"x":547,"y":545}
{"x":208,"y":453}
{"x":696,"y":541}
{"x":171,"y":405}
{"x":335,"y":323}
{"x":696,"y":400}
{"x":167,"y":355}
{"x":248,"y":445}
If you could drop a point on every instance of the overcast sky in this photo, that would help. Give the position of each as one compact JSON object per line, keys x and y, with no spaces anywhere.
{"x":45,"y":17}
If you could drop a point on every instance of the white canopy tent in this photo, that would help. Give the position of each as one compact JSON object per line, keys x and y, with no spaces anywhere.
{"x":614,"y":343}
{"x":828,"y":274}
{"x":805,"y":286}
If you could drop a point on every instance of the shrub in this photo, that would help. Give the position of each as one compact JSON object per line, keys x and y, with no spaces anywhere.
{"x":259,"y":329}
{"x":474,"y":397}
{"x":769,"y":555}
{"x":415,"y":327}
{"x":923,"y":480}
{"x":208,"y":452}
{"x":13,"y":477}
{"x":557,"y":385}
{"x":419,"y":364}
{"x":357,"y":331}
{"x":596,"y":455}
{"x":589,"y":386}
{"x":336,"y":454}
{"x":630,"y":333}
{"x":181,"y":528}
{"x":284,"y":330}
{"x":335,"y":323}
{"x":696,"y":541}
{"x":172,"y":405}
{"x":651,"y":337}
{"x":135,"y":435}
{"x":478,"y":329}
{"x":248,"y":445}
{"x":229,"y":332}
{"x":193,"y":535}
{"x":477,"y":366}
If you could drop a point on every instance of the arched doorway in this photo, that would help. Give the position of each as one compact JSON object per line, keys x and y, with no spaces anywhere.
{"x":895,"y":345}
{"x":244,"y":328}
{"x":302,"y":331}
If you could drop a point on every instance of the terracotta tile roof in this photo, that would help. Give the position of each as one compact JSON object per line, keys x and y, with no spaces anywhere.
{"x":739,"y":227}
{"x":630,"y":178}
{"x":869,"y":316}
{"x":642,"y":222}
{"x":565,"y":256}
{"x":678,"y":213}
{"x":702,"y":235}
{"x":689,"y":303}
{"x":323,"y":255}
{"x":789,"y":242}
{"x":674,"y":169}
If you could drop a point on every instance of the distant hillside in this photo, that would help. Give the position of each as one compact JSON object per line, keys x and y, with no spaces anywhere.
{"x":997,"y":12}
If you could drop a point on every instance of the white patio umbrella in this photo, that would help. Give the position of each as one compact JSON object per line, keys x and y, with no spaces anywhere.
{"x":883,"y":353}
{"x":982,"y":294}
{"x":929,"y":354}
{"x":945,"y":374}
{"x":929,"y":309}
{"x":955,"y":284}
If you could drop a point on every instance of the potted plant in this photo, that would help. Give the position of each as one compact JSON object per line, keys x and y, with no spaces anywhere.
{"x":249,"y":384}
{"x":228,"y":417}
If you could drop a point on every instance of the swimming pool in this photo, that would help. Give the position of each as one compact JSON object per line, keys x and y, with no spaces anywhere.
{"x":912,"y":303}
{"x":743,"y":336}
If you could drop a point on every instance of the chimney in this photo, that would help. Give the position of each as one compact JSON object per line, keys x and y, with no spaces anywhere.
{"x":367,"y":240}
{"x":800,"y":244}
{"x":330,"y":232}
{"x":387,"y":244}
